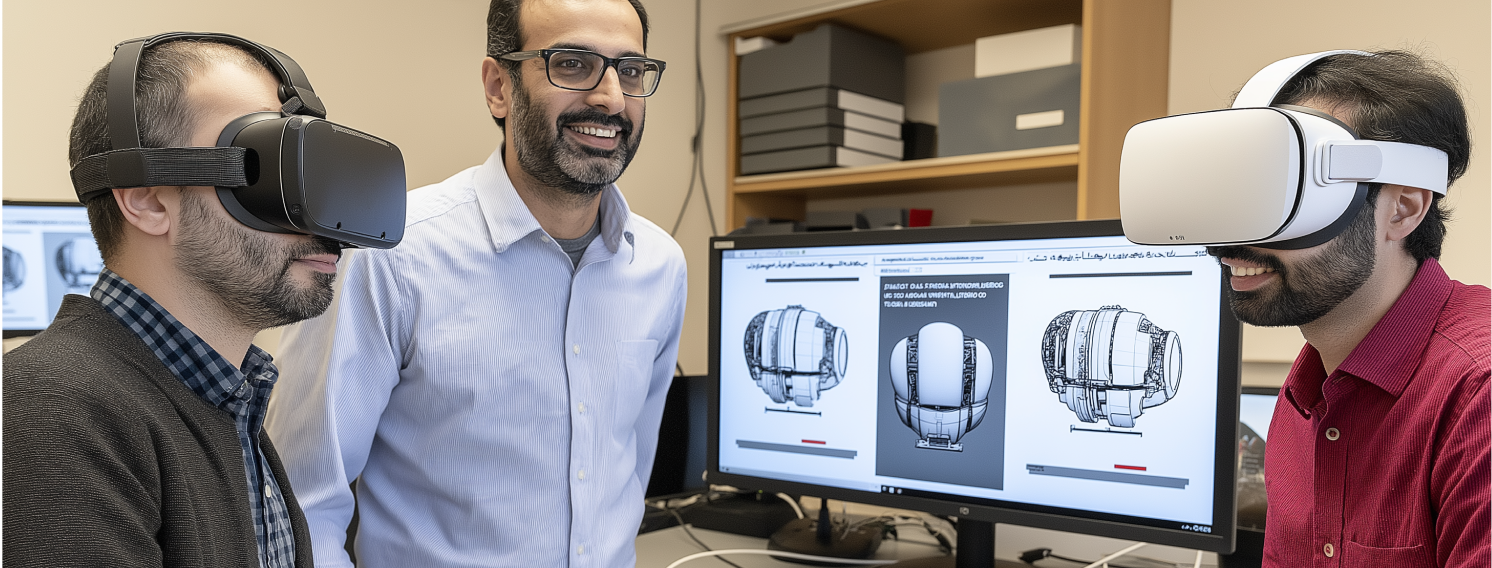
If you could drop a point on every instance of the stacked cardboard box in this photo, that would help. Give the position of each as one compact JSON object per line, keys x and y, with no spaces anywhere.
{"x":1025,"y":94}
{"x":830,"y":97}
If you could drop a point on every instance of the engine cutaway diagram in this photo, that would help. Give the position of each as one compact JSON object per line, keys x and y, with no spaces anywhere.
{"x":941,"y":378}
{"x":78,"y":263}
{"x":15,"y":270}
{"x":794,"y":354}
{"x":1110,"y":363}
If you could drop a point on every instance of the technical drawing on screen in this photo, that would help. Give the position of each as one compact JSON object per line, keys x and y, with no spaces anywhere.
{"x":1028,"y":374}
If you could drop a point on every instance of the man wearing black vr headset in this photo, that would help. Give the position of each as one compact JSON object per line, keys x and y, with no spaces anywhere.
{"x":495,"y":384}
{"x":1378,"y":452}
{"x":133,"y":423}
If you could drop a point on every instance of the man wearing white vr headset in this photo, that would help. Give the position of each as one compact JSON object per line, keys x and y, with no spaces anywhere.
{"x":1321,"y":192}
{"x":133,"y":423}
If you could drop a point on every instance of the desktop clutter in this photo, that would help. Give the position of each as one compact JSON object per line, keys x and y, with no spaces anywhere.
{"x":835,"y":96}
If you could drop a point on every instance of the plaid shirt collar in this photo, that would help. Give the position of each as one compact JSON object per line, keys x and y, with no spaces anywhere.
{"x":188,"y":357}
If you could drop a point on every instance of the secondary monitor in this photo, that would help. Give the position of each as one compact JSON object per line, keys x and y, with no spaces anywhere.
{"x":49,"y":253}
{"x":1052,"y":375}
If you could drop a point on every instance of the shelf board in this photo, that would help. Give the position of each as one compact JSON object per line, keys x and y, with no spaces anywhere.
{"x":922,"y":25}
{"x":1034,"y":165}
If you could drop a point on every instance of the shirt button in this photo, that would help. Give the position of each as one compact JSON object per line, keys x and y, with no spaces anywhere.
{"x":582,"y":408}
{"x":268,"y":491}
{"x":544,"y":238}
{"x":582,"y":475}
{"x":580,"y":549}
{"x":1329,"y":550}
{"x":576,"y":349}
{"x":1332,"y":434}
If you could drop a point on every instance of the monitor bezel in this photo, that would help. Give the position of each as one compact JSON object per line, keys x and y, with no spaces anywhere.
{"x":1222,"y":537}
{"x":11,"y":333}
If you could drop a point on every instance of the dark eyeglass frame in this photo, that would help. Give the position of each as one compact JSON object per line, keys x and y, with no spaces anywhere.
{"x":605,"y":63}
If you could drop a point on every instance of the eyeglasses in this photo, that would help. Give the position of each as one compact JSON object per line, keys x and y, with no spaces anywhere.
{"x":580,"y":70}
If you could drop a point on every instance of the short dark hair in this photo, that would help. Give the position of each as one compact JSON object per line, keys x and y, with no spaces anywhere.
{"x":161,"y":111}
{"x":505,"y":35}
{"x":1400,"y":97}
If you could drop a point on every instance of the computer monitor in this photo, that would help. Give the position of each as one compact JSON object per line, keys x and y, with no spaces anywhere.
{"x":1051,"y":375}
{"x":1255,"y":411}
{"x":49,"y":253}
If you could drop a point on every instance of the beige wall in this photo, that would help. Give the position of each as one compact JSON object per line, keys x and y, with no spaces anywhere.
{"x":407,"y":71}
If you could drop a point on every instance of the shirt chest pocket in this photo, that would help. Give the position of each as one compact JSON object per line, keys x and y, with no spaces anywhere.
{"x":1359,"y":555}
{"x":630,"y":379}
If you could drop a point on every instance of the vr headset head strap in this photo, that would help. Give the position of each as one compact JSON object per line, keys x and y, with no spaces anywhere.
{"x":1264,"y":85}
{"x":295,"y":88}
{"x":130,"y":165}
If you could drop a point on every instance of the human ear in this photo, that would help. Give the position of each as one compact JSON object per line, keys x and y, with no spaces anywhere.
{"x":1406,"y":208}
{"x":498,"y":87}
{"x":146,"y":208}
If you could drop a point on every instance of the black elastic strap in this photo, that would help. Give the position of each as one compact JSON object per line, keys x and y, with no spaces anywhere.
{"x":147,"y":167}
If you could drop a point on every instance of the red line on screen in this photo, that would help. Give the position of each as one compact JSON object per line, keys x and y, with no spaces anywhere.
{"x":819,"y":442}
{"x":1133,"y":467}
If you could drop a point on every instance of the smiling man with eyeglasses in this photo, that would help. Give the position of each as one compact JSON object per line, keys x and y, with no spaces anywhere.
{"x":494,"y":384}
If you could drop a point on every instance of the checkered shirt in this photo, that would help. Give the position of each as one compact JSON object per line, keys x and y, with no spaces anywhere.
{"x":243,"y":393}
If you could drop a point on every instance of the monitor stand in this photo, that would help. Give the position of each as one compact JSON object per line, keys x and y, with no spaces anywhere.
{"x":976,"y":549}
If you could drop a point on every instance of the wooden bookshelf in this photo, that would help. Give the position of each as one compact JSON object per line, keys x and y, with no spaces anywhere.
{"x":1126,"y":53}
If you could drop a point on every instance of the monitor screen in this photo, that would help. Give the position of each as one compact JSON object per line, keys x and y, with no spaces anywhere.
{"x":49,"y":253}
{"x":1051,"y":375}
{"x":1255,"y":410}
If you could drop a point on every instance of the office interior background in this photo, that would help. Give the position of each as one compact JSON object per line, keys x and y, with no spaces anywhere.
{"x":409,"y":72}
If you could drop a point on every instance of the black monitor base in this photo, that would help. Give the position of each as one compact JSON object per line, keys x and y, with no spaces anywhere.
{"x":976,"y":549}
{"x":818,"y":537}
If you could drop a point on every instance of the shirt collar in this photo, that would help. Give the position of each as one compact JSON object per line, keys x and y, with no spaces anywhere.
{"x":186,"y":355}
{"x":1389,"y":354}
{"x":509,"y":220}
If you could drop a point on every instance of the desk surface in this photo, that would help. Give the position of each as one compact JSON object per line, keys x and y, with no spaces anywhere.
{"x":658,"y":549}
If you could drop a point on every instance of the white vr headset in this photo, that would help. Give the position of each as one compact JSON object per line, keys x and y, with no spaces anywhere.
{"x":1289,"y":176}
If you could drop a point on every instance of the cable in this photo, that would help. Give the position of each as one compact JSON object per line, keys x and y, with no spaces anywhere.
{"x":779,"y":553}
{"x":793,"y":503}
{"x":696,"y":145}
{"x":1031,"y":556}
{"x":685,"y":526}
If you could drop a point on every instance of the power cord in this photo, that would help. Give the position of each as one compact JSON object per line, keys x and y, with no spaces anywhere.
{"x":685,"y":526}
{"x":696,"y":144}
{"x":1031,"y":556}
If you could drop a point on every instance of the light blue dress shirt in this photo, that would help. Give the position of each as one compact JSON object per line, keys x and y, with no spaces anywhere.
{"x":500,"y":405}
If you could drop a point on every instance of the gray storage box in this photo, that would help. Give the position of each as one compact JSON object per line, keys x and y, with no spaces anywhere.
{"x":1009,"y":112}
{"x":808,"y":159}
{"x":822,"y":136}
{"x":821,"y":116}
{"x":829,"y":56}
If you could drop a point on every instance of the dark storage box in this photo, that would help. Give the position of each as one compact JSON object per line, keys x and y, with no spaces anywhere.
{"x":808,"y":159}
{"x":821,"y":116}
{"x":981,"y":115}
{"x":822,"y":136}
{"x":829,"y":56}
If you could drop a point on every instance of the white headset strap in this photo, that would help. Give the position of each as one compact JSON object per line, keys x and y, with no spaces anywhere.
{"x":1261,"y":89}
{"x":1386,"y":162}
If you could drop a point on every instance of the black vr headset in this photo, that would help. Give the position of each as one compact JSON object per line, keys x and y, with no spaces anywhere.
{"x":290,"y":171}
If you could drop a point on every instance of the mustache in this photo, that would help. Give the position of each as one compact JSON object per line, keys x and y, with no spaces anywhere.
{"x":317,"y":245}
{"x":1247,"y":254}
{"x":593,"y":116}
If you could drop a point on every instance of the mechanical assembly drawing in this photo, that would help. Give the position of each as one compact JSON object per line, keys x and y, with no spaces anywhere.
{"x":794,"y":355}
{"x":78,"y":263}
{"x":1110,"y":363}
{"x":15,"y":270}
{"x":942,"y":379}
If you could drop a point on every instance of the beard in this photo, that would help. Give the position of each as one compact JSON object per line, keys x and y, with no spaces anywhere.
{"x":1313,"y":287}
{"x":246,"y":271}
{"x":577,"y":170}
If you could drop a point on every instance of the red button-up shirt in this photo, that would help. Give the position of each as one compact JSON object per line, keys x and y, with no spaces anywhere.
{"x":1385,"y":462}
